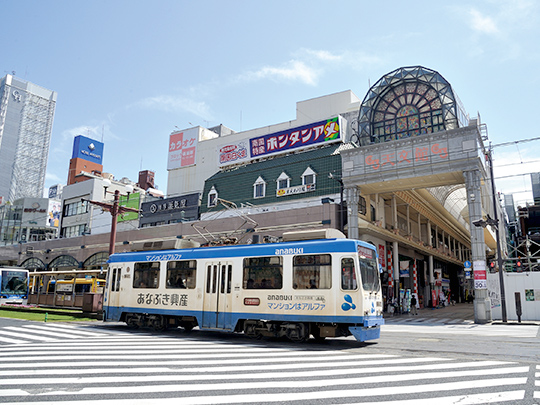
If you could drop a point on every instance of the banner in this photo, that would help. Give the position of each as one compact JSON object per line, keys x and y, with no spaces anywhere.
{"x":404,"y":268}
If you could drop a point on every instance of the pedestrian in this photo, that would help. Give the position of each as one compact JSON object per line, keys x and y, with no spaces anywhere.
{"x":413,"y":305}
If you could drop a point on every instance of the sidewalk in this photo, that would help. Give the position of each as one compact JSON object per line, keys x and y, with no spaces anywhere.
{"x":453,"y":313}
{"x":464,"y":312}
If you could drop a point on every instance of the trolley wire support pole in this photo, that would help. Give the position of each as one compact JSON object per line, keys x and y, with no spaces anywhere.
{"x":497,"y":223}
{"x":115,"y":209}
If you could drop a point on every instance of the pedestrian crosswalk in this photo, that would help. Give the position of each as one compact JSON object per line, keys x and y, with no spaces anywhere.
{"x":144,"y":368}
{"x":50,"y":332}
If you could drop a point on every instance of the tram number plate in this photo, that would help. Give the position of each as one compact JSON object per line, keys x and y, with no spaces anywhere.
{"x":480,"y":284}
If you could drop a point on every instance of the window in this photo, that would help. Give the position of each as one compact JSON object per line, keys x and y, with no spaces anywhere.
{"x":348,"y":274}
{"x":309,"y":177}
{"x":71,"y":231}
{"x":76,"y":208}
{"x":146,"y":275}
{"x":312,"y":271}
{"x":263,"y":273}
{"x":283,"y":181}
{"x":362,"y":206}
{"x":212,"y":197}
{"x":369,"y":272}
{"x":181,"y":274}
{"x":259,"y":188}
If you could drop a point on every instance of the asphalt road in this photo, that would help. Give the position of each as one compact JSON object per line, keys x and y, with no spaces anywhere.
{"x":435,"y":357}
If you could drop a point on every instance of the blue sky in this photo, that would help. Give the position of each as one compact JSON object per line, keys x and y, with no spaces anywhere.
{"x":131,"y":72}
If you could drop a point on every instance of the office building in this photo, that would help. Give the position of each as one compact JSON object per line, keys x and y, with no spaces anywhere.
{"x":26,"y":118}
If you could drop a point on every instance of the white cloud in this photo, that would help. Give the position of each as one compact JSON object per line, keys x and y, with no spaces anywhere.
{"x":482,"y":23}
{"x":324,"y":55}
{"x":53,"y":178}
{"x":293,"y":70}
{"x":93,"y":132}
{"x":176,"y":104}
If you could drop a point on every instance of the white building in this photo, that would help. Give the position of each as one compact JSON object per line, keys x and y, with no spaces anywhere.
{"x":26,"y":118}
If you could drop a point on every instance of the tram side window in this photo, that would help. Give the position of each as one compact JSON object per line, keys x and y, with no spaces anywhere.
{"x":263,"y":273}
{"x":312,"y":271}
{"x":348,"y":274}
{"x":181,"y":274}
{"x":369,"y":272}
{"x":146,"y":275}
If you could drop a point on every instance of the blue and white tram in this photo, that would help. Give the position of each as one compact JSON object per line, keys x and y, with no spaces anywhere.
{"x":323,"y":287}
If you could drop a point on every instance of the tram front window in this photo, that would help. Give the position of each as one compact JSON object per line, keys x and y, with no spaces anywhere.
{"x":369,"y":272}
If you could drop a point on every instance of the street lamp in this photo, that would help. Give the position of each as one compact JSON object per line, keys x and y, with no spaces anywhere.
{"x":115,"y":209}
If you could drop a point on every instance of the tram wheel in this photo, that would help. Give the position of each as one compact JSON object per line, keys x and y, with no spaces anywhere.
{"x":298,"y":332}
{"x":159,"y":323}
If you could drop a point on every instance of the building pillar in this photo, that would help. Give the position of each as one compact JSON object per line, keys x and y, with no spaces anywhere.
{"x":353,"y":196}
{"x":482,"y":303}
{"x":419,"y":228}
{"x":429,"y":235}
{"x":394,"y":212}
{"x":395,"y":252}
{"x":431,"y":279}
{"x":408,"y":220}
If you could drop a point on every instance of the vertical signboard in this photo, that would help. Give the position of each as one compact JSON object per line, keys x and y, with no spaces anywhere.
{"x":480,"y":275}
{"x":182,"y":148}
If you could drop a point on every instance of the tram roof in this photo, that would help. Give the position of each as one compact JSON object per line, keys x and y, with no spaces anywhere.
{"x":266,"y":249}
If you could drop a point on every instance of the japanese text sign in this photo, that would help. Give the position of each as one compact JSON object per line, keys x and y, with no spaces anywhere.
{"x":182,"y":148}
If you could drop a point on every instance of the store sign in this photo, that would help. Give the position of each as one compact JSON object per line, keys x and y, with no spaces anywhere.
{"x":480,"y":275}
{"x":182,"y":148}
{"x":87,"y":149}
{"x":318,"y":133}
{"x":231,"y":154}
{"x":170,"y":205}
{"x":408,"y":156}
{"x":305,"y":188}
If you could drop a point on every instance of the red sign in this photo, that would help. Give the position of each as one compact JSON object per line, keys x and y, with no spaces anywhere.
{"x":480,"y":275}
{"x":382,"y":256}
{"x":182,"y":148}
{"x":406,"y":156}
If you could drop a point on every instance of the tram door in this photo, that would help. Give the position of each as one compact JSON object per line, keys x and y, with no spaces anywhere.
{"x":217,"y":303}
{"x":112,"y":301}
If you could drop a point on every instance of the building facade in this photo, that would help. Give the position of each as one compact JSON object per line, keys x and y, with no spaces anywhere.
{"x":26,"y":118}
{"x":404,"y":169}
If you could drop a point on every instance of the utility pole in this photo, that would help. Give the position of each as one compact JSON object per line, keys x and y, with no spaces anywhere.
{"x":115,"y":209}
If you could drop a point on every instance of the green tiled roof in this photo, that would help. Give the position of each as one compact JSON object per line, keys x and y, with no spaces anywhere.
{"x":236,"y":184}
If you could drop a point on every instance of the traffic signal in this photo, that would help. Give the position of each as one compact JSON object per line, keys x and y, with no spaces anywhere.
{"x":492,"y":266}
{"x":518,"y":265}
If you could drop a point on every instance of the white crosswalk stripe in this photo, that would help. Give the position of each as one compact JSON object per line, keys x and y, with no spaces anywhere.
{"x":51,"y":332}
{"x":141,"y":369}
{"x":537,"y":382}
